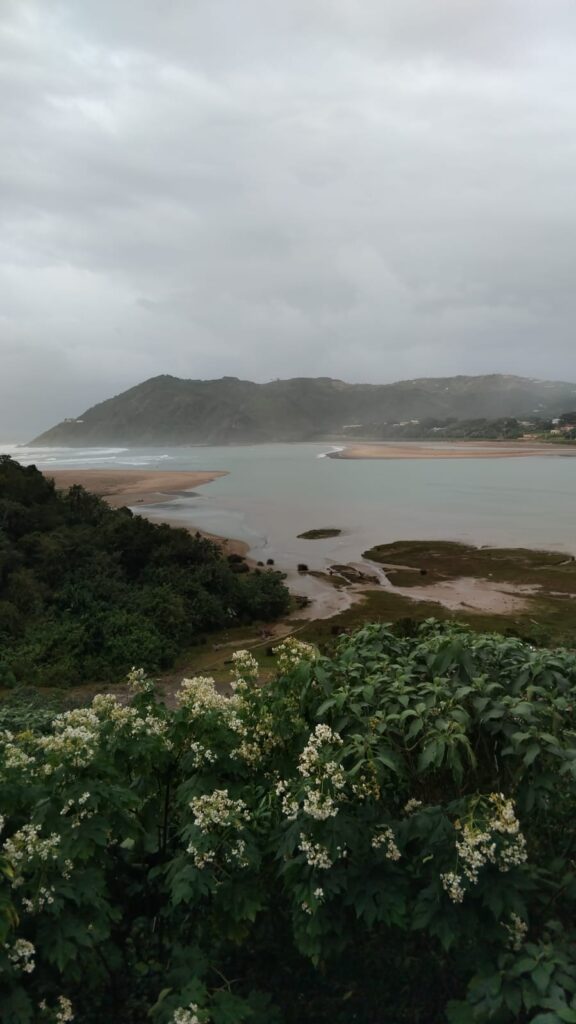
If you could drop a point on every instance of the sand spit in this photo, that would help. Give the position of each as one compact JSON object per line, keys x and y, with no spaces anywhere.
{"x":132,"y":486}
{"x":464,"y":450}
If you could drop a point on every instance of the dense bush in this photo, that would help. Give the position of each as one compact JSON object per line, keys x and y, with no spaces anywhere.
{"x":387,"y":835}
{"x":87,"y":591}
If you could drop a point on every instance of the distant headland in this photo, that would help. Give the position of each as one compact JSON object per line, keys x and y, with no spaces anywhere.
{"x":171,"y":411}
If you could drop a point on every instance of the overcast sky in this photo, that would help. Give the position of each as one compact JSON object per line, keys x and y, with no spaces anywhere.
{"x":364,"y":189}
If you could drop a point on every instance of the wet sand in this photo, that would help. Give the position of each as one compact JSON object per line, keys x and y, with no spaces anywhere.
{"x":451,"y":450}
{"x":132,"y":486}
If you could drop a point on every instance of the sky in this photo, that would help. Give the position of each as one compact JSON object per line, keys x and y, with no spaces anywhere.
{"x":366,"y":189}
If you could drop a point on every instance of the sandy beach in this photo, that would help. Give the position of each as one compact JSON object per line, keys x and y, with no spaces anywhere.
{"x":131,"y":486}
{"x":463,"y":450}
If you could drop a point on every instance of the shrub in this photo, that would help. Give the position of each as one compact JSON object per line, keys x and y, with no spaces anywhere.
{"x":384,"y":835}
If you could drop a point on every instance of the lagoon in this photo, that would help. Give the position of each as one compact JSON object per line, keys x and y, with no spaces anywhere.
{"x":273,"y":492}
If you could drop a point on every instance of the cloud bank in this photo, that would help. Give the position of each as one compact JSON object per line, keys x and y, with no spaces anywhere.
{"x":276,"y":188}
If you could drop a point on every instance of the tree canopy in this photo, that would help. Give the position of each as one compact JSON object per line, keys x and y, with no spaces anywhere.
{"x":87,"y":591}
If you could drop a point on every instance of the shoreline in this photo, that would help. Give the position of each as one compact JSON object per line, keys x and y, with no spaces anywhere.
{"x":449,"y":450}
{"x":121,"y":487}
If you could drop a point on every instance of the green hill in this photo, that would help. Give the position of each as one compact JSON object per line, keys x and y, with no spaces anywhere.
{"x":169,"y":410}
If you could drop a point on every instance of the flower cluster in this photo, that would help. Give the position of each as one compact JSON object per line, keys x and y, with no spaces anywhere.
{"x":452,"y":883}
{"x":127,"y":720}
{"x":517,"y":931}
{"x":202,"y":757}
{"x":15,"y":757}
{"x":64,"y":1013}
{"x":81,"y":813}
{"x":309,"y":760}
{"x":244,"y":668}
{"x":257,"y":738}
{"x":218,"y":809}
{"x":72,"y":744}
{"x":26,"y":846}
{"x":291,"y":652}
{"x":215,"y":815}
{"x":42,"y":898}
{"x":318,"y":898}
{"x":412,"y":805}
{"x":139,"y":682}
{"x":199,"y":695}
{"x":21,"y":955}
{"x":498,"y":840}
{"x":324,"y":778}
{"x":317,"y":855}
{"x":385,"y":839}
{"x":191,"y":1014}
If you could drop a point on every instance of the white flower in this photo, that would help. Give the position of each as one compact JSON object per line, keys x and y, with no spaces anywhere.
{"x":517,"y":930}
{"x":310,"y":757}
{"x":22,"y":956}
{"x":215,"y":814}
{"x":26,"y":845}
{"x":452,"y":883}
{"x":291,"y":652}
{"x":412,"y":805}
{"x":198,"y":696}
{"x":218,"y":809}
{"x":138,"y":681}
{"x":386,"y":838}
{"x":202,"y":756}
{"x":245,"y":667}
{"x":317,"y":856}
{"x":64,"y":1012}
{"x":497,"y":840}
{"x":190,"y":1014}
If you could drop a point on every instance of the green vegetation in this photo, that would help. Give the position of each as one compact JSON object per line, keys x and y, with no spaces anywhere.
{"x":321,"y":534}
{"x":506,"y":428}
{"x":86,"y":591}
{"x":167,"y":410}
{"x":385,"y":835}
{"x":440,"y":560}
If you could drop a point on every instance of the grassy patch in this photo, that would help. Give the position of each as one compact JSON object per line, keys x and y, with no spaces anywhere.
{"x":319,"y":534}
{"x":551,"y":571}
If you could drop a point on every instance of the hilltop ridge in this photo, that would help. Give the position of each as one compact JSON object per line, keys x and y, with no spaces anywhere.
{"x":228,"y":410}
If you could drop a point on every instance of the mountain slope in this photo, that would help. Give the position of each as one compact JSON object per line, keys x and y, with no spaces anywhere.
{"x":169,"y":410}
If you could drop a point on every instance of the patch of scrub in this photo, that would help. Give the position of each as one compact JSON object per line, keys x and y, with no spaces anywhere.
{"x":321,"y":534}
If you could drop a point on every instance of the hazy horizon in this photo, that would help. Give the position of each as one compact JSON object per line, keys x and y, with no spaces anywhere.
{"x":371,"y":192}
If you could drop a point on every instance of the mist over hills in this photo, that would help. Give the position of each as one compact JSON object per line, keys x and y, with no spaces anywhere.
{"x":170,"y":410}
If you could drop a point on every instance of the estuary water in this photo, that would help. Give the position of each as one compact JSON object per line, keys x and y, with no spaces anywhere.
{"x":273,"y":492}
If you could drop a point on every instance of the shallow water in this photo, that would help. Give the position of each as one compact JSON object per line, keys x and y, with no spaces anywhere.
{"x":274,"y":492}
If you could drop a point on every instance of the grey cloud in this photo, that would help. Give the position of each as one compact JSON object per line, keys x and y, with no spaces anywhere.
{"x":282,"y":187}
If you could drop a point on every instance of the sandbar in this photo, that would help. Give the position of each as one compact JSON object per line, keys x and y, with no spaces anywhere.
{"x":132,"y":486}
{"x":452,"y":450}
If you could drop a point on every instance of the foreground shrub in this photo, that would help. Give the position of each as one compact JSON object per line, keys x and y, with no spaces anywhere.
{"x":387,"y":835}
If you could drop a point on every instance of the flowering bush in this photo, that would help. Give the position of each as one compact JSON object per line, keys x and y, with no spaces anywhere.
{"x":387,"y":834}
